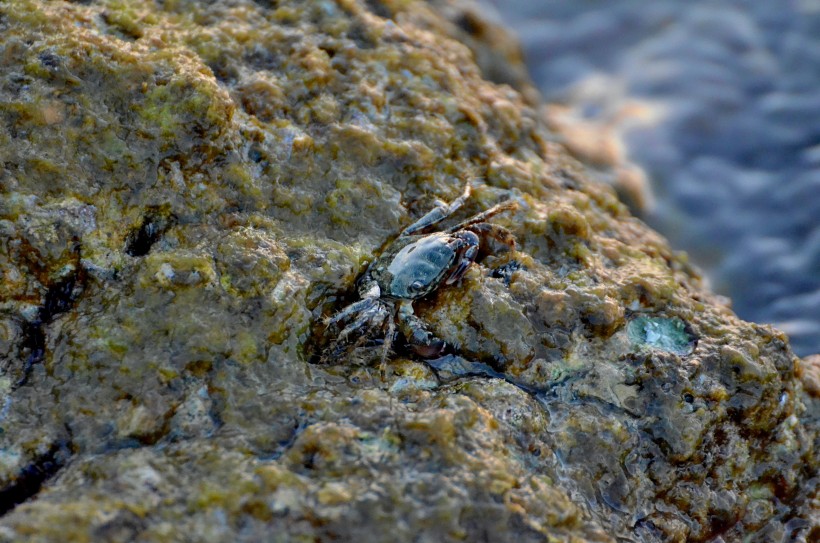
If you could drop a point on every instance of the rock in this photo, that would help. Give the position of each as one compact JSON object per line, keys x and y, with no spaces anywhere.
{"x":668,"y":335}
{"x":190,"y":189}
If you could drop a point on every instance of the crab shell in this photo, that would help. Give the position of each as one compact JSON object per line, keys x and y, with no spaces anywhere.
{"x":415,"y":266}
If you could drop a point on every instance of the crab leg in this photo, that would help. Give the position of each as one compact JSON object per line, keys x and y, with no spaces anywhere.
{"x":369,"y":289}
{"x":361,"y":306}
{"x":375,"y":316}
{"x":484,"y":215}
{"x":438,"y":213}
{"x":367,"y":316}
{"x":388,"y":344}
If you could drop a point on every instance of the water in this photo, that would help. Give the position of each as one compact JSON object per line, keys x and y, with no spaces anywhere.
{"x":728,"y":132}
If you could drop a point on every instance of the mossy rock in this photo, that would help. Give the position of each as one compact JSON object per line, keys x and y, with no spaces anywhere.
{"x":189,"y":189}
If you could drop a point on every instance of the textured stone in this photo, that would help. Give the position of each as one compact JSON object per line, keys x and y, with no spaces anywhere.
{"x":189,"y":189}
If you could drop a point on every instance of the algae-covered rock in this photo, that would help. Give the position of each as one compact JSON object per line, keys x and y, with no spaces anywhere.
{"x":189,"y":189}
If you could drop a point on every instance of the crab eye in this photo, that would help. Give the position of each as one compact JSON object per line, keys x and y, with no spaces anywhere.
{"x":415,"y":286}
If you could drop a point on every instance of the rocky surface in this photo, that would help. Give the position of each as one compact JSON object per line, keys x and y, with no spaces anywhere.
{"x":189,"y":190}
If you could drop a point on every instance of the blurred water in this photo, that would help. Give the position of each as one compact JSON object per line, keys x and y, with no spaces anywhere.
{"x":732,"y":144}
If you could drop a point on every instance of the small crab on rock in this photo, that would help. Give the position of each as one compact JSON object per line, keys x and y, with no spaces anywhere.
{"x":414,"y":266}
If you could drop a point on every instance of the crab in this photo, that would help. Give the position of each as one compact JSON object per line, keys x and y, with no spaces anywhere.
{"x":415,"y":265}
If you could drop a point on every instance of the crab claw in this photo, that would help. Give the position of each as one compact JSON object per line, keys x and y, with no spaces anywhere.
{"x":495,"y":239}
{"x":467,"y":248}
{"x":432,"y":350}
{"x":419,"y":338}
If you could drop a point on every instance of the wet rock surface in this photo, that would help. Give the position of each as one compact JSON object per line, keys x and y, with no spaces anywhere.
{"x":189,"y":190}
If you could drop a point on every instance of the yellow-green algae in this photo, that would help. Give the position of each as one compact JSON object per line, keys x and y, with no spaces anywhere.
{"x":159,"y":377}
